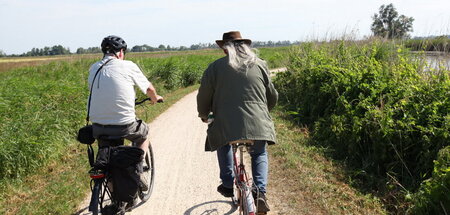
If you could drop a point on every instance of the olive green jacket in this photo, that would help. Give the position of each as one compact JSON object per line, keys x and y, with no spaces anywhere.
{"x":240,"y":102}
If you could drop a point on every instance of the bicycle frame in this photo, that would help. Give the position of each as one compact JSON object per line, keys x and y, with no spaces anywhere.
{"x":242,"y":181}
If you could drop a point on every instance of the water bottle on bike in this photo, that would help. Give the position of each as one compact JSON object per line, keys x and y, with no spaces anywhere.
{"x":250,"y":202}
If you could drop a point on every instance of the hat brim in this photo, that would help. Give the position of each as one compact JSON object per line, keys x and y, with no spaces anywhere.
{"x":220,"y":43}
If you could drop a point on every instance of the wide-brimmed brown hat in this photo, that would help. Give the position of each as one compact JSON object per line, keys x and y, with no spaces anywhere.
{"x":232,"y":36}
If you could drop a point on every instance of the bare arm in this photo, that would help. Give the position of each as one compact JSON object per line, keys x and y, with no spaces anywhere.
{"x":151,"y":92}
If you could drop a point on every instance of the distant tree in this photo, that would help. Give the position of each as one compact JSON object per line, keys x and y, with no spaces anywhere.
{"x":388,"y":24}
{"x":81,"y":51}
{"x":162,"y":47}
{"x":195,"y":47}
{"x":2,"y":53}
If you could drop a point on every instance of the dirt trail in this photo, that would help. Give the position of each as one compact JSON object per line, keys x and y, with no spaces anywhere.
{"x":186,"y":176}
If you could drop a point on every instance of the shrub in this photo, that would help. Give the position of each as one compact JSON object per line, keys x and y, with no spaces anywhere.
{"x":374,"y":104}
{"x":433,"y":196}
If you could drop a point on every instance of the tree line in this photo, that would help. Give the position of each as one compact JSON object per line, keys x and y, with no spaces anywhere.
{"x":60,"y":50}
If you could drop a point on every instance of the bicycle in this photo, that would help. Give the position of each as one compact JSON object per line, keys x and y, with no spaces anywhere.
{"x":101,"y":183}
{"x":243,"y":196}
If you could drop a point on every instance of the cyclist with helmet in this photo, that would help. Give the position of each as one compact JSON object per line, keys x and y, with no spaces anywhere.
{"x":112,"y":82}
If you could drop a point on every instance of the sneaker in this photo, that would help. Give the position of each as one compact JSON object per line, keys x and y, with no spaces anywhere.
{"x":261,"y":202}
{"x":227,"y":192}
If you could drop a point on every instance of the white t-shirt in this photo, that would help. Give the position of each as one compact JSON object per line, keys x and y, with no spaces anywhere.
{"x":113,"y":93}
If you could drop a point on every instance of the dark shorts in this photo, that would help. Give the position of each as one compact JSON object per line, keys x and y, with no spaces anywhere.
{"x":135,"y":132}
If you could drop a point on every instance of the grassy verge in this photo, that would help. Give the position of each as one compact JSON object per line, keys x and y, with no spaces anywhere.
{"x":59,"y":187}
{"x":305,"y":181}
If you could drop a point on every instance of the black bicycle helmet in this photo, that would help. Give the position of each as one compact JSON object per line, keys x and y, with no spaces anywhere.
{"x":113,"y":44}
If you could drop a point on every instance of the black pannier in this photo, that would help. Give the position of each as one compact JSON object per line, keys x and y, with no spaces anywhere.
{"x":124,"y":166}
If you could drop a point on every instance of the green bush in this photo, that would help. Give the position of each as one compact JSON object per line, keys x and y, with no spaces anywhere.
{"x":433,"y":196}
{"x":176,"y":71}
{"x":373,"y":104}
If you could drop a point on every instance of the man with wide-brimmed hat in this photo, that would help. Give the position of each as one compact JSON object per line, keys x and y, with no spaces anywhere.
{"x":238,"y":91}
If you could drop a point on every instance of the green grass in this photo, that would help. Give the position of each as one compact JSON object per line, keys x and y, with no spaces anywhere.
{"x":275,"y":57}
{"x":303,"y":174}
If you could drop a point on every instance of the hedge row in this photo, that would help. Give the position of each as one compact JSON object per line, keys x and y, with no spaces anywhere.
{"x":380,"y":109}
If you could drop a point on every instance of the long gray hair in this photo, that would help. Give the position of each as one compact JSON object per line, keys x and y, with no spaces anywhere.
{"x":241,"y":56}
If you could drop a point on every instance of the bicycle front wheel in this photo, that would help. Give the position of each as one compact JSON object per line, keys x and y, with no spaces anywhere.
{"x":243,"y":202}
{"x":247,"y":203}
{"x":148,"y":174}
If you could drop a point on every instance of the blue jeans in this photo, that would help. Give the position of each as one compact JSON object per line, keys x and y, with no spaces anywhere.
{"x":260,"y":164}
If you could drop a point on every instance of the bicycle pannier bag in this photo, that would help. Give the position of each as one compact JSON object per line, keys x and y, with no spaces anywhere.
{"x":124,"y":168}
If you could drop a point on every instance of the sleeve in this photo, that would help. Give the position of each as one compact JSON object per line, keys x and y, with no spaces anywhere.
{"x":271,"y":92}
{"x":139,"y":78}
{"x":205,"y":93}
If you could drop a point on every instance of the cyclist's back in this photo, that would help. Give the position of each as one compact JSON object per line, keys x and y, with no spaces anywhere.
{"x":113,"y":91}
{"x":239,"y":92}
{"x":112,"y":82}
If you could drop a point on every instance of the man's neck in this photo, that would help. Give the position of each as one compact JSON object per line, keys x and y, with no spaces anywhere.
{"x":117,"y":55}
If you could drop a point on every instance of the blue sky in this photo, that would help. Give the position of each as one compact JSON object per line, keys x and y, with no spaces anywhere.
{"x":26,"y":24}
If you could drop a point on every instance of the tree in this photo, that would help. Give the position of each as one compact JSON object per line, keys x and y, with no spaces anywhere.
{"x":2,"y":53}
{"x":388,"y":24}
{"x":162,"y":47}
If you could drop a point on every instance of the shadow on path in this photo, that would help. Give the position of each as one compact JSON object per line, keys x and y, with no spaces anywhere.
{"x":209,"y":210}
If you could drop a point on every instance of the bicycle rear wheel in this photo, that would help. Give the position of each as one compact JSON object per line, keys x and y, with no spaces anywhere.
{"x":95,"y":197}
{"x":99,"y":192}
{"x":148,"y":174}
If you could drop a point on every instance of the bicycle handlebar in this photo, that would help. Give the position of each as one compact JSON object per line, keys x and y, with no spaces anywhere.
{"x":146,"y":99}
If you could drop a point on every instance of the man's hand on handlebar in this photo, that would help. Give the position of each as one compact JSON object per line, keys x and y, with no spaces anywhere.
{"x":157,"y":99}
